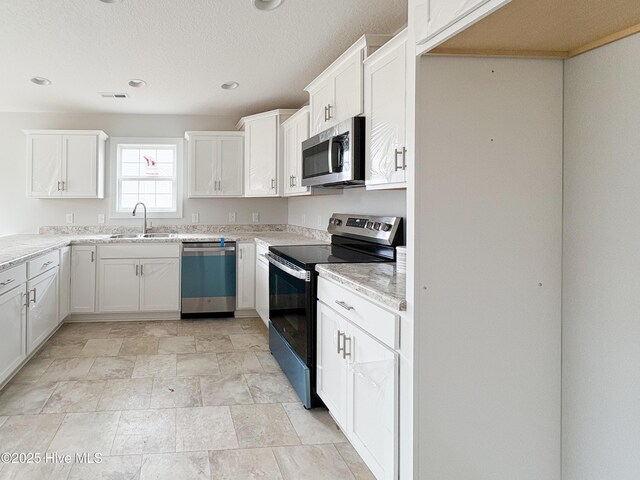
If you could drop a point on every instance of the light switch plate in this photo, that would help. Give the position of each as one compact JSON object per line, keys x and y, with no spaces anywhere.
{"x":232,"y":217}
{"x":195,"y":218}
{"x":101,"y":218}
{"x":255,"y":217}
{"x":69,"y":217}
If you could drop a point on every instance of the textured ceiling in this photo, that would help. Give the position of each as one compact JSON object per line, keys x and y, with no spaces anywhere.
{"x":183,"y":49}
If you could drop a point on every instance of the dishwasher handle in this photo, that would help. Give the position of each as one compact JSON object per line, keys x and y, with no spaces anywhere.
{"x":206,"y":251}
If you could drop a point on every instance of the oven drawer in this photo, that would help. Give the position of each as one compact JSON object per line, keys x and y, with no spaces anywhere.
{"x":43,"y":263}
{"x":377,"y":321}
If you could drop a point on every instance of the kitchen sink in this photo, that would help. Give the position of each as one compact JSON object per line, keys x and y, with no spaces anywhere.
{"x":126,"y":235}
{"x":159,"y":235}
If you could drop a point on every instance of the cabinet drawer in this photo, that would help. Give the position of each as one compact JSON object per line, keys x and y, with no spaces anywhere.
{"x":43,"y":263}
{"x":146,"y":250}
{"x":376,"y":321}
{"x":12,"y":277}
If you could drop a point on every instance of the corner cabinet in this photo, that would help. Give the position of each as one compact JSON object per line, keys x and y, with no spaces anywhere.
{"x":337,"y":93}
{"x":385,"y":109}
{"x":263,"y":153}
{"x":295,"y":131}
{"x":438,"y":20}
{"x":215,"y":164}
{"x":65,"y":163}
{"x":246,"y":276}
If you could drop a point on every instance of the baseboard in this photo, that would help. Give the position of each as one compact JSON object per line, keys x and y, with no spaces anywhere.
{"x":122,"y":317}
{"x":245,"y":313}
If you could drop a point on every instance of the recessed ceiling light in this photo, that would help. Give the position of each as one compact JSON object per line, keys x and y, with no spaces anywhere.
{"x":41,"y":81}
{"x":266,"y":4}
{"x":137,"y":83}
{"x":230,"y":85}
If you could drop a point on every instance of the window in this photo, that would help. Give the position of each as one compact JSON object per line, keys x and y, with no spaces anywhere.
{"x":147,"y":170}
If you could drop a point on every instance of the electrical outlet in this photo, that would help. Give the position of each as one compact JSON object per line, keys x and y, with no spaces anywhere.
{"x":255,"y":217}
{"x":69,"y":217}
{"x":232,"y":217}
{"x":195,"y":218}
{"x":101,"y":218}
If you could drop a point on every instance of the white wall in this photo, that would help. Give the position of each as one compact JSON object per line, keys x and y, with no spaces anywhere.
{"x":314,"y":212}
{"x":488,"y":207}
{"x":601,"y":288}
{"x":21,"y":215}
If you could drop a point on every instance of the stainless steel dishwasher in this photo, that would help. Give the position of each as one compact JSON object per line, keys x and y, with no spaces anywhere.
{"x":208,"y":279}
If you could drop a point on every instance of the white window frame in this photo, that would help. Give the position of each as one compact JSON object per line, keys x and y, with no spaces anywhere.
{"x":114,"y":146}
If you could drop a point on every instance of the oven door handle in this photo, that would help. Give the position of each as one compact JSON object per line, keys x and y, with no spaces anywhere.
{"x":292,"y":270}
{"x":330,"y":156}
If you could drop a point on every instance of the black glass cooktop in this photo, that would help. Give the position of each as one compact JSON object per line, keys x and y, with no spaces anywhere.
{"x":307,"y":256}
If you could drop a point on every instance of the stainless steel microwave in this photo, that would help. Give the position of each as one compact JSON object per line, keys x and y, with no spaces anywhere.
{"x":335,"y":157}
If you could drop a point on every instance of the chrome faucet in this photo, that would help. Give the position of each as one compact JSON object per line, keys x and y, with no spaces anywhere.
{"x":144,"y":226}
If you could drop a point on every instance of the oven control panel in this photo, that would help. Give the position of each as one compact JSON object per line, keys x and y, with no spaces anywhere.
{"x":384,"y":230}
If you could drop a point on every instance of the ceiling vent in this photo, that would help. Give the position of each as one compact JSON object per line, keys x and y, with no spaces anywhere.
{"x":113,"y":95}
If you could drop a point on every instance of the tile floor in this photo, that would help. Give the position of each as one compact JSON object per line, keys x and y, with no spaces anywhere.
{"x":167,"y":400}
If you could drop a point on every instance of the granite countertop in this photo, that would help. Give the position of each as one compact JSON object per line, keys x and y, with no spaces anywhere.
{"x":379,"y":281}
{"x":15,"y":249}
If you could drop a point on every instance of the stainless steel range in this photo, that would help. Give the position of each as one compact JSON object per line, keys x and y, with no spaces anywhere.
{"x":293,"y":289}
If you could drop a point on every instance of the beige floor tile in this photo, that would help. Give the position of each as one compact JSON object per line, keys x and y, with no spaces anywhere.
{"x":312,"y":462}
{"x":105,"y":368}
{"x":177,"y":345}
{"x":64,"y":369}
{"x":29,"y":433}
{"x":155,"y":366}
{"x":354,"y":462}
{"x":176,"y":392}
{"x":250,"y":342}
{"x":161,"y":329}
{"x":101,"y":347}
{"x":61,"y":347}
{"x":268,"y":362}
{"x":126,"y":394}
{"x":86,"y":432}
{"x":254,"y":325}
{"x":139,"y":346}
{"x":190,"y":364}
{"x":32,"y":370}
{"x":270,"y":388}
{"x":33,"y":471}
{"x":214,"y":344}
{"x":127,"y":329}
{"x":176,"y":466}
{"x":145,"y":431}
{"x":252,"y":463}
{"x":111,"y":468}
{"x":194,"y":328}
{"x":24,"y":399}
{"x":313,"y":426}
{"x":239,"y":362}
{"x":84,"y":331}
{"x":75,"y":396}
{"x":225,"y":390}
{"x":263,"y":426}
{"x":225,"y":326}
{"x":204,"y":428}
{"x":2,"y":420}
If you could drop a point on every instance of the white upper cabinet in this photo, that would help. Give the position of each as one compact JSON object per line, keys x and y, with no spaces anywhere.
{"x":385,"y":112}
{"x":65,"y":163}
{"x":337,"y":94}
{"x":263,"y":152}
{"x":438,"y":20}
{"x":215,"y":164}
{"x":295,"y":131}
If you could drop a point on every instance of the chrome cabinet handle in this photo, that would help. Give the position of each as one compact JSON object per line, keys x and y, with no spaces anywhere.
{"x":325,"y":113}
{"x":329,"y":116}
{"x":295,"y":182}
{"x":93,"y":256}
{"x":4,"y":284}
{"x":63,"y":186}
{"x":26,"y":305}
{"x":34,"y":296}
{"x":404,"y":158}
{"x":46,"y":264}
{"x":273,"y":184}
{"x":344,"y":305}
{"x":137,"y":268}
{"x":141,"y":270}
{"x":340,"y":334}
{"x":344,"y":348}
{"x":397,"y":153}
{"x":59,"y":185}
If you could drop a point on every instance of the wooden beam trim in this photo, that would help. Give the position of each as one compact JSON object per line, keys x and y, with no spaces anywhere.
{"x":605,"y":40}
{"x":470,"y":52}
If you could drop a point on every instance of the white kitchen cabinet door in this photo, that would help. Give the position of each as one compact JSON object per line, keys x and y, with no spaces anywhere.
{"x":13,"y":325}
{"x":319,"y":100}
{"x":262,"y":290}
{"x":231,"y":155}
{"x":246,"y":278}
{"x":261,"y":157}
{"x":119,"y":285}
{"x":372,"y":419}
{"x":347,"y":90}
{"x":203,"y":166}
{"x":65,"y":282}
{"x":79,"y":166}
{"x":290,"y":133}
{"x":83,"y":279}
{"x":331,"y":366}
{"x":44,"y":165}
{"x":385,"y":113}
{"x":160,"y":285}
{"x":44,"y":298}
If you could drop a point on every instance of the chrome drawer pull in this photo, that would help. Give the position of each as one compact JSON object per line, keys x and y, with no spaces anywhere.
{"x":47,"y":263}
{"x":34,"y":296}
{"x":344,"y":305}
{"x":11,"y":280}
{"x":340,"y":334}
{"x":344,"y":349}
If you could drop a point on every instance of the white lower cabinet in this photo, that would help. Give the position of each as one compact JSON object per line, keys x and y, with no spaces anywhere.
{"x":13,"y":325}
{"x":83,"y":279}
{"x":43,"y":303}
{"x":119,"y":285}
{"x":159,"y":285}
{"x":357,"y":378}
{"x":262,"y":284}
{"x":246,"y":277}
{"x":65,"y":282}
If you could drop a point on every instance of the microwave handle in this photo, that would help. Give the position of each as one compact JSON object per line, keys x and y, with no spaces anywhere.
{"x":330,"y":156}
